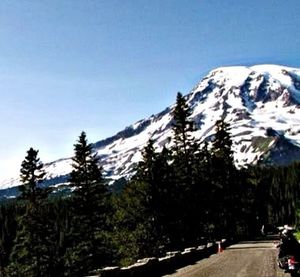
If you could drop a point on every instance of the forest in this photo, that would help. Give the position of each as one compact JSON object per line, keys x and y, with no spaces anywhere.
{"x":183,"y":195}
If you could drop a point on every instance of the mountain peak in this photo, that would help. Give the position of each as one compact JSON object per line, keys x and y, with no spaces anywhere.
{"x":252,"y":99}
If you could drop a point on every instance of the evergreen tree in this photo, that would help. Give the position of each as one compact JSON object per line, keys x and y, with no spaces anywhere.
{"x":8,"y":212}
{"x":134,"y":231}
{"x":283,"y":190}
{"x":222,"y":144}
{"x":202,"y":192}
{"x":156,"y":174}
{"x":86,"y":248}
{"x":33,"y":253}
{"x":291,"y":182}
{"x":137,"y":217}
{"x":32,"y":175}
{"x":184,"y":163}
{"x":226,"y":189}
{"x":184,"y":143}
{"x":166,"y":198}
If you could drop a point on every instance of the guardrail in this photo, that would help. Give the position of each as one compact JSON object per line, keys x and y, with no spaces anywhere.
{"x":150,"y":267}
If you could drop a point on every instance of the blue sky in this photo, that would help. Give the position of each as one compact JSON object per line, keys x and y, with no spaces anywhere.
{"x":98,"y":66}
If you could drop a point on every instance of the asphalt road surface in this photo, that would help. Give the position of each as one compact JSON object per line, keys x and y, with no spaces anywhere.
{"x":246,"y":259}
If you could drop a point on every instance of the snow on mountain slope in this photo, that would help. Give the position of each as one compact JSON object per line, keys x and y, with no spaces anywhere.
{"x":261,"y":103}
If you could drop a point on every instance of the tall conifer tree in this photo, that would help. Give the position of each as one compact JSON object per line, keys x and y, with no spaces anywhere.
{"x":137,"y":216}
{"x":184,"y":142}
{"x":86,"y":248}
{"x":183,"y":150}
{"x":32,"y":174}
{"x":33,"y":253}
{"x":225,"y":184}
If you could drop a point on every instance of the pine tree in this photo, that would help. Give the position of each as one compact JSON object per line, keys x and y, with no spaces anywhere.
{"x":169,"y":199}
{"x":222,"y":143}
{"x":146,"y":166}
{"x":86,"y":249}
{"x":7,"y":233}
{"x":184,"y":143}
{"x":154,"y":172}
{"x":134,"y":232}
{"x":32,"y":175}
{"x":33,"y":253}
{"x":202,"y":191}
{"x":137,"y":217}
{"x":225,"y":183}
{"x":183,"y":153}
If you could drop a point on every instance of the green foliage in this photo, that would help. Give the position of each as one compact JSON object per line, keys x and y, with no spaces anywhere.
{"x":33,"y":252}
{"x":137,"y":218}
{"x":132,"y":223}
{"x":297,"y":235}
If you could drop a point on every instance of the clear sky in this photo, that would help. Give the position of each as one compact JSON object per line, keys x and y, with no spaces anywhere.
{"x":98,"y":66}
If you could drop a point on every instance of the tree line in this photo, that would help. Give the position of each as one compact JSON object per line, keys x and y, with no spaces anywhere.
{"x":181,"y":196}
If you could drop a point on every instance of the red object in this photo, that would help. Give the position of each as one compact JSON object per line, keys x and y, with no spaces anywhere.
{"x":291,"y":262}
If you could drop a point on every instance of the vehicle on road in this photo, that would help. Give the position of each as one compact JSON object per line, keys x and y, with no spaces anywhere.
{"x":289,"y":251}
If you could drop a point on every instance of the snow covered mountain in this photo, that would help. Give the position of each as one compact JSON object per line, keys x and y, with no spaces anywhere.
{"x":261,"y":103}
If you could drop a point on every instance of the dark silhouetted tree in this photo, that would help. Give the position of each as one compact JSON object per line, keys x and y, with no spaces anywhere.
{"x":86,"y":248}
{"x":33,"y":252}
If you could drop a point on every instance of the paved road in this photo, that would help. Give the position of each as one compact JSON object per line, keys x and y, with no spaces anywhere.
{"x":246,"y":259}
